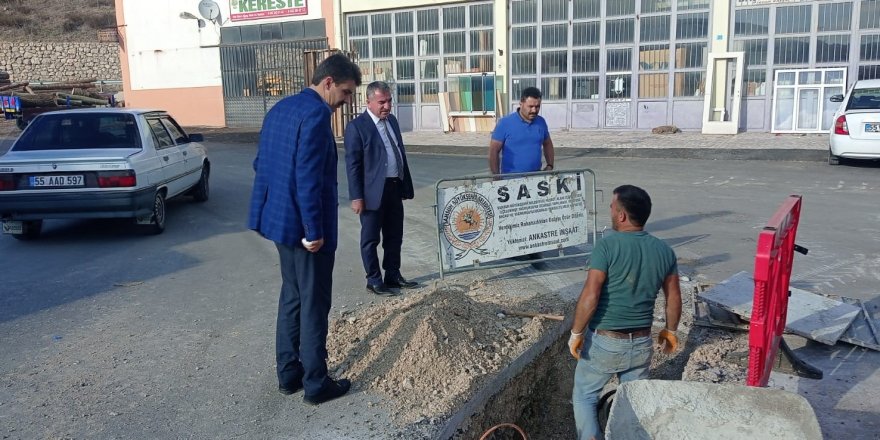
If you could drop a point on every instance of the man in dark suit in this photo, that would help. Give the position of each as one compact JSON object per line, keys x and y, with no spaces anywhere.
{"x":378,"y":182}
{"x":294,"y":204}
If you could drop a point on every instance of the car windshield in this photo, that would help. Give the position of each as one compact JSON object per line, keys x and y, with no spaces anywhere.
{"x":865,"y":99}
{"x":75,"y":131}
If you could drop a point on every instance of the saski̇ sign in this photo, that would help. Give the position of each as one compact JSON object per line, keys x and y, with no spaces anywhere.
{"x":257,"y":9}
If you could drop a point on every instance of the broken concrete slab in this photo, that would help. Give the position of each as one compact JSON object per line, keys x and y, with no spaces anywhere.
{"x":660,"y":409}
{"x":810,"y":315}
{"x":865,"y":329}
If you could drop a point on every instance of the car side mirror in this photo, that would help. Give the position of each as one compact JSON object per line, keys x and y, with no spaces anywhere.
{"x":196,"y":137}
{"x":836,"y":98}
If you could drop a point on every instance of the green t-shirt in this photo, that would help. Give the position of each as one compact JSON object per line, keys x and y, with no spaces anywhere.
{"x":635,"y":265}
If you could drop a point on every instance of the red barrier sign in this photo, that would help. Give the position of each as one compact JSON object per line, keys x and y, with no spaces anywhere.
{"x":773,"y":261}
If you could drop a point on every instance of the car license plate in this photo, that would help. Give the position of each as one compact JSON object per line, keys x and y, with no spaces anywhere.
{"x":55,"y":181}
{"x":872,"y":127}
{"x":13,"y":227}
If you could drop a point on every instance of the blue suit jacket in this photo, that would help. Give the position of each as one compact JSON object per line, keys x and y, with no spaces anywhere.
{"x":295,"y":188}
{"x":365,"y":159}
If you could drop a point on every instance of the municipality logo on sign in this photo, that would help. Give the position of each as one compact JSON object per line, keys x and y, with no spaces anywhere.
{"x":468,"y":220}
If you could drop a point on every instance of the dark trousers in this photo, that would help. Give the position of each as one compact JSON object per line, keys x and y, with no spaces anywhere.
{"x":303,"y":309}
{"x":387,"y":221}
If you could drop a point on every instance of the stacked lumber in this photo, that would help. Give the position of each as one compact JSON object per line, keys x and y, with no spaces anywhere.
{"x":79,"y":93}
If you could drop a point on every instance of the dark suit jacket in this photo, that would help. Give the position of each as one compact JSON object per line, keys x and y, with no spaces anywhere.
{"x":365,"y":159}
{"x":295,"y":194}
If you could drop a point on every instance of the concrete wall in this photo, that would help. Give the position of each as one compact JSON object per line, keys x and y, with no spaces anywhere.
{"x":60,"y":61}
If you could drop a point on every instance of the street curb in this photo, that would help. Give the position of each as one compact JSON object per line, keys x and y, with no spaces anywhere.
{"x":776,"y":154}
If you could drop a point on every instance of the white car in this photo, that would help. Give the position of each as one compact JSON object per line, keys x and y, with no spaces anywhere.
{"x":856,"y":130}
{"x":99,"y":163}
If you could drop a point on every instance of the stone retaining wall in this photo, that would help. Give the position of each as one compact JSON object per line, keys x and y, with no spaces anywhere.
{"x":54,"y":62}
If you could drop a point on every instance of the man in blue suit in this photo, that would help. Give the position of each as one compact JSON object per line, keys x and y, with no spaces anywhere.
{"x":378,"y":183}
{"x":294,"y":204}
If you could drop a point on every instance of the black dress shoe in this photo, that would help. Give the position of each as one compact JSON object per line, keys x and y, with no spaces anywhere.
{"x":333,"y":390}
{"x":381,"y":290}
{"x":402,"y":283}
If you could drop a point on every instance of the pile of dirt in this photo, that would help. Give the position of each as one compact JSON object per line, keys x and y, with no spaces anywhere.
{"x":428,"y":352}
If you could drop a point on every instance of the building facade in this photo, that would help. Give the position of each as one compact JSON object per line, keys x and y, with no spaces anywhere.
{"x":720,"y":66}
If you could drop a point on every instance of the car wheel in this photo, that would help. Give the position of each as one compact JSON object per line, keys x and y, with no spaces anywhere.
{"x":157,"y":218}
{"x":202,"y":190}
{"x":832,"y":159}
{"x":31,"y":230}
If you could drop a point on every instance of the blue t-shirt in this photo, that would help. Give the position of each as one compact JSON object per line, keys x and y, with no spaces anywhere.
{"x":522,"y":141}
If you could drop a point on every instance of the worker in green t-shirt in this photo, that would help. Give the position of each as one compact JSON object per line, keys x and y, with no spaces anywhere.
{"x":611,"y":333}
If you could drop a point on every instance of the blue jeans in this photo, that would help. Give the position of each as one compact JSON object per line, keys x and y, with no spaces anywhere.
{"x":601,"y":358}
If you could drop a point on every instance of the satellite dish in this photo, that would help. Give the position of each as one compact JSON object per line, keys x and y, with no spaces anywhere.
{"x":209,"y":9}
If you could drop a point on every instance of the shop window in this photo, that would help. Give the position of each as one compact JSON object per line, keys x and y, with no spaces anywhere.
{"x":520,"y":84}
{"x":403,"y":22}
{"x":428,"y":20}
{"x":406,"y":93}
{"x":755,"y":82}
{"x":406,"y":70}
{"x":482,"y":41}
{"x":869,"y":72}
{"x":653,"y":85}
{"x":554,"y":89}
{"x":751,"y":22}
{"x":618,"y":86}
{"x":832,"y":48}
{"x":554,"y":35}
{"x":481,"y":15}
{"x":554,"y":10}
{"x":430,"y":91}
{"x":615,"y":8}
{"x":692,"y":26}
{"x":524,"y":38}
{"x":250,"y":34}
{"x":429,"y":44}
{"x":453,"y":18}
{"x":456,"y":64}
{"x":381,"y":24}
{"x":271,"y":31}
{"x":869,"y":49}
{"x":471,"y":93}
{"x":585,"y":60}
{"x":835,"y":17}
{"x":692,"y":4}
{"x":618,"y":60}
{"x":524,"y":64}
{"x":482,"y":63}
{"x":654,"y":28}
{"x":554,"y":62}
{"x":524,"y":11}
{"x":360,"y":47}
{"x":383,"y":71}
{"x":755,"y":50}
{"x":793,"y":19}
{"x":649,"y":6}
{"x":619,"y":31}
{"x":453,"y":42}
{"x":585,"y":33}
{"x":404,"y":46}
{"x":382,"y":47}
{"x":690,"y":55}
{"x":870,"y":16}
{"x":429,"y":69}
{"x":654,"y":57}
{"x":585,"y":9}
{"x":690,"y":84}
{"x":357,"y":26}
{"x":585,"y":87}
{"x":791,"y":50}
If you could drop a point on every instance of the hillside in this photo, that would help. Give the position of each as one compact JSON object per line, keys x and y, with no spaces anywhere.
{"x":54,"y":20}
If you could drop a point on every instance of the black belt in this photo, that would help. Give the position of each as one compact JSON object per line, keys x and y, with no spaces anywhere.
{"x":392,"y":180}
{"x":625,"y":333}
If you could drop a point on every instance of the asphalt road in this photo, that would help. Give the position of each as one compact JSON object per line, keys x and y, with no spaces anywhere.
{"x":109,"y":333}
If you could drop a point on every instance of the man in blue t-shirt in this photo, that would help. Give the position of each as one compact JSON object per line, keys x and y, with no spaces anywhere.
{"x":518,"y":138}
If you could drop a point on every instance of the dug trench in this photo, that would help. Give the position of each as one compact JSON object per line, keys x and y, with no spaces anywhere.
{"x":452,"y":361}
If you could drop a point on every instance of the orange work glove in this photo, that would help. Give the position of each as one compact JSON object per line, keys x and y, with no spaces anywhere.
{"x":575,"y":342}
{"x":668,"y":341}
